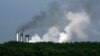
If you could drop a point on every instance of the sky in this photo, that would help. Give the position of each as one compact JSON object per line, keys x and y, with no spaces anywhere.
{"x":16,"y":12}
{"x":77,"y":20}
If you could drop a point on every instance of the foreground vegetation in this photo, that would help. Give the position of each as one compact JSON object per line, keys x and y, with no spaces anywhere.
{"x":50,"y":49}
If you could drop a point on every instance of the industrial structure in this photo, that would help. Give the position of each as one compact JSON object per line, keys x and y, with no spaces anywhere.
{"x":26,"y":38}
{"x":22,"y":38}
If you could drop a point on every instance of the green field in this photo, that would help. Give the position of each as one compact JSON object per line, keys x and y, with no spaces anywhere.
{"x":13,"y":48}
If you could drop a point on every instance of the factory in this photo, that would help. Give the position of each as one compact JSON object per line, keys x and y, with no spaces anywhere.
{"x":22,"y":38}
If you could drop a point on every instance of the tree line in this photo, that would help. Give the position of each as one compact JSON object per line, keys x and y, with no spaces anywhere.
{"x":14,"y":48}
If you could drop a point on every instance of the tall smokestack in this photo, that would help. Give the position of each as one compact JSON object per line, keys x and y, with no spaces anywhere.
{"x":21,"y":37}
{"x":26,"y":38}
{"x":17,"y":37}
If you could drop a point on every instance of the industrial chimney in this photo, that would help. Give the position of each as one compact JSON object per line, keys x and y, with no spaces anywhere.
{"x":17,"y":37}
{"x":26,"y":38}
{"x":21,"y":37}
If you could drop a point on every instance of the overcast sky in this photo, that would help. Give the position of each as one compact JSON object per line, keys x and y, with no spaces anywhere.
{"x":15,"y":12}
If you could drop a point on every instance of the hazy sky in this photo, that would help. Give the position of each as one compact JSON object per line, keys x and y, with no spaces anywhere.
{"x":15,"y":12}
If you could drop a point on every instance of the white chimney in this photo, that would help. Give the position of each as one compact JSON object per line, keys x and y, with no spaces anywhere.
{"x":21,"y":37}
{"x":17,"y":37}
{"x":26,"y":38}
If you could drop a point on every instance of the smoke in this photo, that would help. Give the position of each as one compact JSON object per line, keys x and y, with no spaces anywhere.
{"x":66,"y":20}
{"x":78,"y":25}
{"x":34,"y":23}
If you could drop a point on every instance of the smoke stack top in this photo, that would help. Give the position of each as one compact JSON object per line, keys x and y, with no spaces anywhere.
{"x":21,"y":34}
{"x":26,"y":35}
